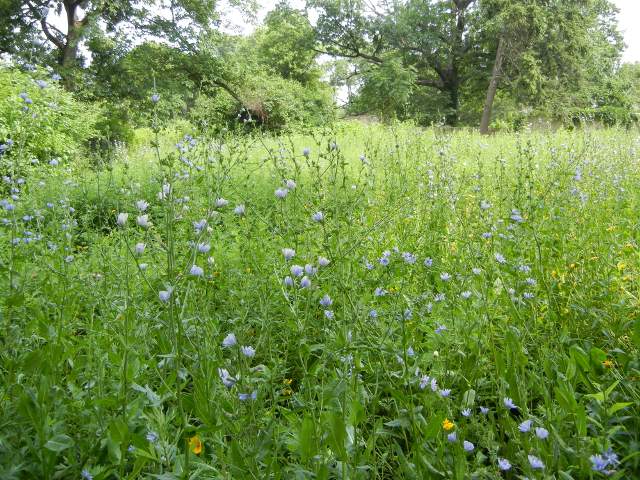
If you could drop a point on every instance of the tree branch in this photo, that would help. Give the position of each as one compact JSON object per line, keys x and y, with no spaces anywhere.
{"x":430,"y":82}
{"x":50,"y":36}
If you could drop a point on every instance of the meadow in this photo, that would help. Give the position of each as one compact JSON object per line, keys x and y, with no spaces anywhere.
{"x":353,"y":302}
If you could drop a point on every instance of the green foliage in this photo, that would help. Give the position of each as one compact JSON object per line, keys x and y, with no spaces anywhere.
{"x":53,"y":125}
{"x":286,"y":45}
{"x":277,"y":103}
{"x":387,"y":91}
{"x":525,"y":250}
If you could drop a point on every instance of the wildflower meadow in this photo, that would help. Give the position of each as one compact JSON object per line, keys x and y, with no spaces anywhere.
{"x":350,"y":301}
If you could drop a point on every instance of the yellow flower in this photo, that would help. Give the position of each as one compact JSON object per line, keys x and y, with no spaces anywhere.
{"x":608,"y":363}
{"x":195,"y":444}
{"x":621,"y":266}
{"x":447,"y":424}
{"x":288,"y":381}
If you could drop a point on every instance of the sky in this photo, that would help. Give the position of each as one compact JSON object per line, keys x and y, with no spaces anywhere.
{"x":629,"y":21}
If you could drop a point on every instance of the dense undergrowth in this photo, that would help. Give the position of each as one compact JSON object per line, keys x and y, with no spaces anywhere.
{"x":360,"y":302}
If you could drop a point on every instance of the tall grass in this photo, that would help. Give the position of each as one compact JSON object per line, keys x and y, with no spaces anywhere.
{"x":460,"y":276}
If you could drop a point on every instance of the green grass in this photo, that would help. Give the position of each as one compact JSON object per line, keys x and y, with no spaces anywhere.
{"x":102,"y":376}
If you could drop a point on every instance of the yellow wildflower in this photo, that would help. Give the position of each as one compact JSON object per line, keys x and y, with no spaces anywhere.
{"x":195,"y":444}
{"x":447,"y":424}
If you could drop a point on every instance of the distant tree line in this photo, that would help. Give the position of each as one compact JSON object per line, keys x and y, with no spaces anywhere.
{"x":454,"y":62}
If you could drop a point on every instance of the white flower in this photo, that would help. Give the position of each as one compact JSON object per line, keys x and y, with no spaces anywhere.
{"x":142,"y":205}
{"x":143,"y":221}
{"x":122,"y":218}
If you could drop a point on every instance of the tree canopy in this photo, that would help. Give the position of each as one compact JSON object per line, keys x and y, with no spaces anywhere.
{"x":453,"y":62}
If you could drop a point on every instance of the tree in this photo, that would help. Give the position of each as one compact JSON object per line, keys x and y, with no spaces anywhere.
{"x":178,"y":22}
{"x":431,"y":38}
{"x":549,"y":50}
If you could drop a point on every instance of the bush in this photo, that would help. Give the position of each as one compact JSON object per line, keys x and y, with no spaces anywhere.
{"x":278,"y":103}
{"x":607,"y":115}
{"x":41,"y":119}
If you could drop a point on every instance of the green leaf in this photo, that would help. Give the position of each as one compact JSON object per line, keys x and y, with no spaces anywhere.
{"x":59,"y":443}
{"x":617,"y":407}
{"x":581,"y":421}
{"x":337,"y":435}
{"x":306,"y":435}
{"x":597,"y":356}
{"x":433,"y":427}
{"x":469,"y":398}
{"x":607,"y":393}
{"x":357,"y":414}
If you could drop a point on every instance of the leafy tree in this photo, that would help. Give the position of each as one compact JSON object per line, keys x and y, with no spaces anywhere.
{"x":543,"y":53}
{"x":550,"y":51}
{"x":431,"y":38}
{"x":286,"y":45}
{"x":180,"y":23}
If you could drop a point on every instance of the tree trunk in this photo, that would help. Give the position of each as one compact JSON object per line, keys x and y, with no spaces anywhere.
{"x":451,"y":118}
{"x":69,"y":53}
{"x":493,"y":87}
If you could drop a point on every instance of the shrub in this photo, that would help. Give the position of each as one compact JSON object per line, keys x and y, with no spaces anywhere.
{"x":42,"y":120}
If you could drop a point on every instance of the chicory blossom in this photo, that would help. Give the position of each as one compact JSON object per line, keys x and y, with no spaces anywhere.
{"x":203,"y":247}
{"x":248,"y":351}
{"x":227,"y":380}
{"x":196,"y":271}
{"x":229,"y":340}
{"x":535,"y":462}
{"x":243,"y":397}
{"x":542,"y":433}
{"x":288,"y":253}
{"x":143,"y":221}
{"x":122,"y":218}
{"x":326,"y":301}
